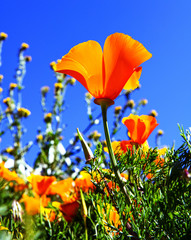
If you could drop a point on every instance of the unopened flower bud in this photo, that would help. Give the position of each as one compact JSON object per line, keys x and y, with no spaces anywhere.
{"x":87,"y":151}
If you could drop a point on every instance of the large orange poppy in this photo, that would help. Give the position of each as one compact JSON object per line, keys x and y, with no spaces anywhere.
{"x":104,"y":74}
{"x":139,"y":127}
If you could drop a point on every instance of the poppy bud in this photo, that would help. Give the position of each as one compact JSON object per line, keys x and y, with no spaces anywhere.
{"x":87,"y":151}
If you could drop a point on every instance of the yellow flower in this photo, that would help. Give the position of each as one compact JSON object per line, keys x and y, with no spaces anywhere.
{"x":39,"y":137}
{"x":72,"y":81}
{"x":153,"y":113}
{"x":1,"y":90}
{"x":3,"y":36}
{"x":58,"y":85}
{"x":1,"y":77}
{"x":160,"y":132}
{"x":117,"y":109}
{"x":131,"y":103}
{"x":144,"y":102}
{"x":28,"y":58}
{"x":24,"y":46}
{"x":12,"y":86}
{"x":23,"y":112}
{"x":7,"y":100}
{"x":52,"y":64}
{"x":48,"y":117}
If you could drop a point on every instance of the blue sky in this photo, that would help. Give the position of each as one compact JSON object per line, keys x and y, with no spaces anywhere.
{"x":52,"y":28}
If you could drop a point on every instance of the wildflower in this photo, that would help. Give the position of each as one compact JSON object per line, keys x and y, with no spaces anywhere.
{"x":45,"y":90}
{"x":110,"y":215}
{"x":139,"y":127}
{"x":8,"y":175}
{"x":130,"y":104}
{"x":28,"y":58}
{"x":72,"y":81}
{"x":1,"y":89}
{"x":65,"y":189}
{"x":52,"y":64}
{"x":39,"y":137}
{"x":88,"y":96}
{"x":23,"y":112}
{"x":48,"y":117}
{"x":12,"y":86}
{"x":40,"y":184}
{"x":120,"y":147}
{"x":10,"y":150}
{"x":7,"y":101}
{"x":84,"y":182}
{"x":143,"y":102}
{"x":24,"y":46}
{"x":69,"y":210}
{"x":153,"y":113}
{"x":57,"y":86}
{"x":160,"y":132}
{"x":3,"y":36}
{"x":118,"y":110}
{"x":104,"y":74}
{"x":33,"y":204}
{"x":1,"y":78}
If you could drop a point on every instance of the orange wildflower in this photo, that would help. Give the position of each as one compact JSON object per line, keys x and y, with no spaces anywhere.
{"x":84,"y":181}
{"x":40,"y":184}
{"x":8,"y":175}
{"x":65,"y":189}
{"x":69,"y":210}
{"x":32,"y":204}
{"x":120,"y":147}
{"x":110,"y":215}
{"x":139,"y":127}
{"x":104,"y":74}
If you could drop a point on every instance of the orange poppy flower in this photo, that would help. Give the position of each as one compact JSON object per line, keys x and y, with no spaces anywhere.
{"x":120,"y":147}
{"x":8,"y":175}
{"x":40,"y":184}
{"x":84,"y":182}
{"x":104,"y":74}
{"x":139,"y":127}
{"x":32,"y":204}
{"x":69,"y":210}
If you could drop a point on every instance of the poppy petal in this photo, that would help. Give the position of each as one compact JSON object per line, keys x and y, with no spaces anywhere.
{"x":121,"y":55}
{"x":84,"y":62}
{"x":133,"y":81}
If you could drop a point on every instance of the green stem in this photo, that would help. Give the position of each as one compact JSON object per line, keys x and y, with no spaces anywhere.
{"x":104,"y":105}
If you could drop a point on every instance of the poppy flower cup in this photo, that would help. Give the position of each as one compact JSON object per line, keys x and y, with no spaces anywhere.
{"x":105,"y":73}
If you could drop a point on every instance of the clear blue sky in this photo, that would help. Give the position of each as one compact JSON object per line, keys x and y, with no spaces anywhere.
{"x":51,"y":28}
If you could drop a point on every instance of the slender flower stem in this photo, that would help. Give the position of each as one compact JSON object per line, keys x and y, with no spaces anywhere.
{"x":104,"y":105}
